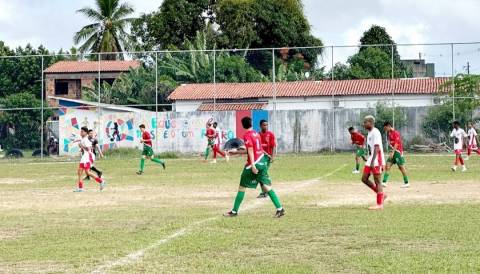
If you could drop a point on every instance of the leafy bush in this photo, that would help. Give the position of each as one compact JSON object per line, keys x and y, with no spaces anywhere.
{"x":25,"y":124}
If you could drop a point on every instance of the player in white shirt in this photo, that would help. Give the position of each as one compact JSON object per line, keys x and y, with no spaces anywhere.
{"x":472,"y":140}
{"x":217,"y":145}
{"x":459,"y":136}
{"x":375,"y":162}
{"x":86,"y":161}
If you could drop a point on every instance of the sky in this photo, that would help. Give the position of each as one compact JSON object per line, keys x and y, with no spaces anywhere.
{"x":340,"y":22}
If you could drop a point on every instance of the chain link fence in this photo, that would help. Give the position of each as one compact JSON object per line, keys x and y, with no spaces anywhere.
{"x":310,"y":95}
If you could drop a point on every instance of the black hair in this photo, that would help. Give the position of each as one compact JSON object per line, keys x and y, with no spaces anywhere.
{"x":387,"y":123}
{"x":351,"y":128}
{"x":90,"y":130}
{"x":141,"y":126}
{"x":456,"y":123}
{"x":246,"y":122}
{"x":215,"y":124}
{"x":85,"y":129}
{"x":263,"y":121}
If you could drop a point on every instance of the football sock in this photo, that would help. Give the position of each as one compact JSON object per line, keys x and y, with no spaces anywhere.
{"x":142,"y":164}
{"x":80,"y":184}
{"x":156,"y":160}
{"x":461,"y":161}
{"x":274,"y":198}
{"x":238,"y":200}
{"x":372,"y":186}
{"x":357,"y":167}
{"x":385,"y":177}
{"x":405,"y":179}
{"x":380,"y":198}
{"x":207,"y":151}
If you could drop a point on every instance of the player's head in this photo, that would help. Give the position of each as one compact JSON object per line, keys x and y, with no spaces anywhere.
{"x":84,"y":131}
{"x":91,"y":133}
{"x":247,"y":122}
{"x":387,"y":126}
{"x":456,"y":124}
{"x":351,"y":130}
{"x":264,"y":125}
{"x":215,"y":124}
{"x":369,"y":122}
{"x":142,"y":127}
{"x":470,"y":125}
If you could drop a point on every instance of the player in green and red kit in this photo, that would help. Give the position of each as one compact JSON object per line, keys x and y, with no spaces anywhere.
{"x":147,"y":152}
{"x":358,"y":141}
{"x":269,"y":144}
{"x":210,"y":134}
{"x":255,"y":171}
{"x":395,"y":156}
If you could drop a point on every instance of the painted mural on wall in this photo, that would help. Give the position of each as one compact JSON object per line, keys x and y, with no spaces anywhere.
{"x":179,"y":132}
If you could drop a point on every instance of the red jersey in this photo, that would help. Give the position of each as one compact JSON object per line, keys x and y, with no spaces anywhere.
{"x":211,"y":133}
{"x":357,"y":139}
{"x":252,"y":140}
{"x":395,"y":139}
{"x":268,"y":142}
{"x":147,"y":138}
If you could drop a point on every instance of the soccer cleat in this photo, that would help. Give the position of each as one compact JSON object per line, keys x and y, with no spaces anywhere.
{"x":464,"y":168}
{"x":163,"y":165}
{"x":139,"y":172}
{"x":279,"y":213}
{"x":78,"y":190}
{"x":384,"y":184}
{"x":454,"y":168}
{"x":356,"y":171}
{"x":407,"y":185}
{"x":214,"y":161}
{"x":376,"y":207}
{"x":262,"y":195}
{"x":230,"y":214}
{"x":102,"y":185}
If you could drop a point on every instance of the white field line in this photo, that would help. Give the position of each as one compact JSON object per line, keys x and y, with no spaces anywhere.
{"x":138,"y":254}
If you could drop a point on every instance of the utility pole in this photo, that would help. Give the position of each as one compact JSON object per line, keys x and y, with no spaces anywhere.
{"x":467,"y":68}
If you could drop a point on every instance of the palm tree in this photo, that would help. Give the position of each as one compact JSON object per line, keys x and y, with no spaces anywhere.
{"x":108,"y":32}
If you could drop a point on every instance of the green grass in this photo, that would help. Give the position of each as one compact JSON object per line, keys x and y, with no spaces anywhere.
{"x":46,"y":228}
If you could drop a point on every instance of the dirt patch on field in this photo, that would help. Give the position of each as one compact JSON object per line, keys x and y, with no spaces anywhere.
{"x":15,"y":181}
{"x":422,"y":193}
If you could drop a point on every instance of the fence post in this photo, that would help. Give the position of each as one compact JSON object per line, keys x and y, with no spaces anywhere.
{"x":391,"y":86}
{"x":453,"y":82}
{"x":99,"y":130}
{"x":274,"y":95}
{"x":332,"y":144}
{"x":214,"y":81}
{"x":42,"y":114}
{"x":156,"y":100}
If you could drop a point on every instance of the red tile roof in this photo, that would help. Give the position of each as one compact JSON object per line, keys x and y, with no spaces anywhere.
{"x":91,"y":66}
{"x":226,"y":107}
{"x":307,"y":88}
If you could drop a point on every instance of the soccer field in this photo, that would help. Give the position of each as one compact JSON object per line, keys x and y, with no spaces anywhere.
{"x":171,"y":221}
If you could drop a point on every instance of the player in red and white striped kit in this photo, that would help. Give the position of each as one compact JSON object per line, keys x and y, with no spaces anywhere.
{"x":86,"y":161}
{"x":472,"y":140}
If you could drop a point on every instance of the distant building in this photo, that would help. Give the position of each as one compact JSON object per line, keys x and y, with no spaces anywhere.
{"x":67,"y":78}
{"x":306,"y":95}
{"x":419,"y":68}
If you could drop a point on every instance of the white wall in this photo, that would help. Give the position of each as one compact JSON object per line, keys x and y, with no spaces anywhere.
{"x":186,"y":106}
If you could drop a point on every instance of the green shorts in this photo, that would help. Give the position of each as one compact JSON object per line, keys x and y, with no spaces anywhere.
{"x":250,"y":180}
{"x":397,"y":159}
{"x":147,"y":151}
{"x":360,"y":152}
{"x":211,"y":143}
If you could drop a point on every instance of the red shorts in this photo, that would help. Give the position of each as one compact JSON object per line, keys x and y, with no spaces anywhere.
{"x":377,"y":170}
{"x":458,"y":151}
{"x":85,"y":166}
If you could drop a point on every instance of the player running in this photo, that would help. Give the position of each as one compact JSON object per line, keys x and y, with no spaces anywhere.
{"x":210,"y":134}
{"x":375,"y":161}
{"x":459,"y":135}
{"x":358,"y":141}
{"x":472,"y":140}
{"x":147,"y":152}
{"x":268,"y":145}
{"x":216,"y":145}
{"x":255,"y":171}
{"x":395,"y":156}
{"x":95,"y":147}
{"x":86,"y":161}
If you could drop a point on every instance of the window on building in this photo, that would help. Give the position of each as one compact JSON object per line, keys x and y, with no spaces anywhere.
{"x":108,"y":80}
{"x":61,"y":87}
